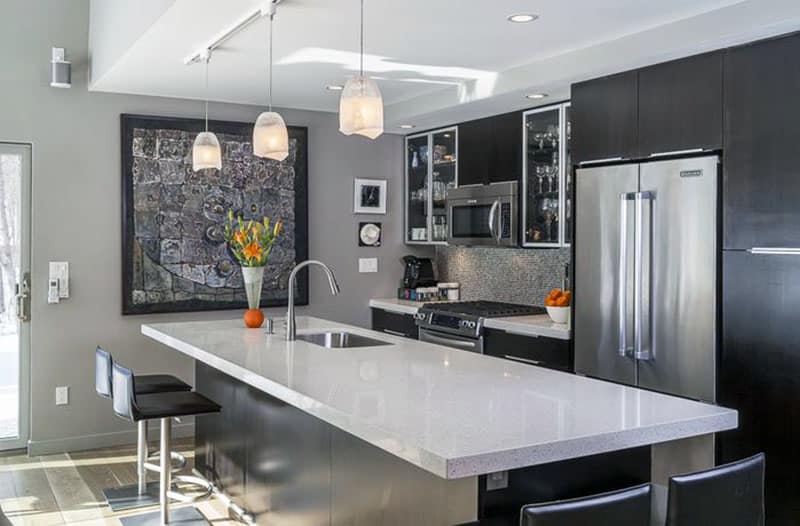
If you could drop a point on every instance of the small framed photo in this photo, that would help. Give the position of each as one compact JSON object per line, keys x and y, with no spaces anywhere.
{"x":369,"y":196}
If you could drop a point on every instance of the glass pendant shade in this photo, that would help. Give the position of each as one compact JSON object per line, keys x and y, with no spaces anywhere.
{"x":206,"y":152}
{"x":270,"y":136}
{"x":361,"y":108}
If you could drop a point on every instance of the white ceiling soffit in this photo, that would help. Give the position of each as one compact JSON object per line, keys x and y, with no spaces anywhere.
{"x":436,"y":61}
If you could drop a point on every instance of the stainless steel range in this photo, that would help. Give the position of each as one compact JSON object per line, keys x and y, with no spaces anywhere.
{"x":460,"y":324}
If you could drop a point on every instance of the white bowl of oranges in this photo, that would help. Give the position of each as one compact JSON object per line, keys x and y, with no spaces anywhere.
{"x":557,"y":304}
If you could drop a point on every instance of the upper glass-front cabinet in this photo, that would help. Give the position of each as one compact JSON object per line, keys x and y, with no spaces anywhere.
{"x":546,"y":177}
{"x":431,"y":171}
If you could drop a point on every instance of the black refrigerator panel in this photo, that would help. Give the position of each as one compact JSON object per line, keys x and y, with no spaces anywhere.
{"x":759,"y":372}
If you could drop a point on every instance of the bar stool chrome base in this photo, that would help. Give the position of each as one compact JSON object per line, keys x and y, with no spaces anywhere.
{"x":187,"y":516}
{"x":129,"y":498}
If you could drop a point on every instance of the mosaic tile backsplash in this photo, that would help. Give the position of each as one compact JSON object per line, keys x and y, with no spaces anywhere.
{"x":503,"y":274}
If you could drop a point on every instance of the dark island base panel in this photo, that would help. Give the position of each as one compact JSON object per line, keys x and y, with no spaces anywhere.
{"x":276,"y":461}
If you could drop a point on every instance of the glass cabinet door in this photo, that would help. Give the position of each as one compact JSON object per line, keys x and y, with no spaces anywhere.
{"x":542,"y":177}
{"x":444,"y":177}
{"x":568,"y":175}
{"x":431,"y":171}
{"x":417,"y":164}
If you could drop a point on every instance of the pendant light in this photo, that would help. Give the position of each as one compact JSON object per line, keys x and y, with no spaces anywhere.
{"x":206,"y":152}
{"x":270,"y":136}
{"x":361,"y":104}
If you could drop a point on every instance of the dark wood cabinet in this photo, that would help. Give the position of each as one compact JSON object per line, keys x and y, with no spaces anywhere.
{"x":506,"y":164}
{"x":475,"y":143}
{"x":761,"y":184}
{"x":490,"y":150}
{"x":680,"y":105}
{"x":605,"y":118}
{"x":531,"y":350}
{"x":394,"y":323}
{"x":759,"y":371}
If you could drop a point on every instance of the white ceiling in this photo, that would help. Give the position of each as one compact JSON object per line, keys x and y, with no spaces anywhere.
{"x":437,"y":61}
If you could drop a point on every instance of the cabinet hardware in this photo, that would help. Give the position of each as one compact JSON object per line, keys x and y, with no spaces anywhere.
{"x":523,"y":360}
{"x":677,"y":152}
{"x":598,"y":161}
{"x":782,"y":251}
{"x":395,"y":333}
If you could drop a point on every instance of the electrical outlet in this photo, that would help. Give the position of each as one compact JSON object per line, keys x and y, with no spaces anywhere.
{"x":368,"y":265}
{"x":62,"y":395}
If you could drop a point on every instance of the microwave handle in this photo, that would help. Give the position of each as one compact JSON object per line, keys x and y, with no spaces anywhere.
{"x":492,"y":212}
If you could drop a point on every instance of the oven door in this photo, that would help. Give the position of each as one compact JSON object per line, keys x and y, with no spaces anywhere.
{"x":451,"y":340}
{"x":482,"y":221}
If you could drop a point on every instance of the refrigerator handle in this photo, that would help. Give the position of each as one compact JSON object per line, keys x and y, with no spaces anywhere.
{"x":642,"y":345}
{"x":622,"y":278}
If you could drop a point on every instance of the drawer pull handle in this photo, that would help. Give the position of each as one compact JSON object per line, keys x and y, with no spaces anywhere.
{"x":395,"y":333}
{"x":523,"y":360}
{"x":776,"y":251}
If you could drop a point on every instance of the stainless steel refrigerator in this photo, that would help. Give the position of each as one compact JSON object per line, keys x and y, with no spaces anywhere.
{"x":646,"y":259}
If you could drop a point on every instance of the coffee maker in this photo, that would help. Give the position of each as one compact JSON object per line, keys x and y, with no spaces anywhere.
{"x":418,"y":272}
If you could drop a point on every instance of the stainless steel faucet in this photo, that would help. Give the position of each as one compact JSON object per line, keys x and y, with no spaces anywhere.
{"x":291,"y":327}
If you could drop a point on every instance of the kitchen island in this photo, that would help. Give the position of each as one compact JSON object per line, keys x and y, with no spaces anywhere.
{"x":408,"y":432}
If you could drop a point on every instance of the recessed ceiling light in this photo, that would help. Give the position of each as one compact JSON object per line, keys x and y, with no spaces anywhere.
{"x":522,"y":18}
{"x":407,"y":126}
{"x":334,"y":87}
{"x":536,"y":95}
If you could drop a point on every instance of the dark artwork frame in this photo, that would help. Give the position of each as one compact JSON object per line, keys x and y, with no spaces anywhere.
{"x":130,"y":122}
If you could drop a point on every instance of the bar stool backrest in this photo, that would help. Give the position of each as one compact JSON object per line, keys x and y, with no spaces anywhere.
{"x":728,"y":495}
{"x":627,"y":507}
{"x":123,"y":387}
{"x":102,"y":372}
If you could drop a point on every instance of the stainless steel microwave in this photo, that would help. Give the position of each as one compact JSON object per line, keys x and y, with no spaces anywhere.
{"x":483,"y":215}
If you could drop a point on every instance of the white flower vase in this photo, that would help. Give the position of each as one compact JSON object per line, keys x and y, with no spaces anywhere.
{"x":253,"y":280}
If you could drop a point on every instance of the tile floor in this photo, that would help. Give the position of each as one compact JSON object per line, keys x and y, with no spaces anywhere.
{"x":66,"y":488}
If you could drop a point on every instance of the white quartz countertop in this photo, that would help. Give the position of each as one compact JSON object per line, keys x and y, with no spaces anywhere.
{"x":453,"y":413}
{"x":537,"y":325}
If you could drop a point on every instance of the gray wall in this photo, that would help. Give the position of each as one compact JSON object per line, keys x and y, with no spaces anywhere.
{"x":515,"y":275}
{"x":76,"y":218}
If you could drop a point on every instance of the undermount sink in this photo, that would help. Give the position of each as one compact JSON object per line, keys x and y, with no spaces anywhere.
{"x":340,"y":340}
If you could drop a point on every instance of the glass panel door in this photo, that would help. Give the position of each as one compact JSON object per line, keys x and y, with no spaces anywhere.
{"x":417,"y":159}
{"x":443,"y":178}
{"x":542,"y":177}
{"x":15,"y":172}
{"x":568,"y":175}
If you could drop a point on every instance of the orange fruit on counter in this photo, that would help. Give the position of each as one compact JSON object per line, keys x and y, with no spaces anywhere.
{"x":253,"y":318}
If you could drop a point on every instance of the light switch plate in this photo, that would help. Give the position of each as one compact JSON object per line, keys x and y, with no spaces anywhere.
{"x":59,"y":270}
{"x":367,"y":265}
{"x":62,"y":395}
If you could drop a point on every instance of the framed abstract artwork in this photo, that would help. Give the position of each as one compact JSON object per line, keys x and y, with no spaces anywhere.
{"x":369,"y":196}
{"x":174,"y":255}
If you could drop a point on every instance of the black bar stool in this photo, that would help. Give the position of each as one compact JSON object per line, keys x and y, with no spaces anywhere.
{"x":728,"y":495}
{"x":627,"y":507}
{"x":163,"y":407}
{"x":129,"y":497}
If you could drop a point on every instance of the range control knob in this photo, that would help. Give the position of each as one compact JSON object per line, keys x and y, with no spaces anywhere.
{"x":419,"y":316}
{"x":472,"y":325}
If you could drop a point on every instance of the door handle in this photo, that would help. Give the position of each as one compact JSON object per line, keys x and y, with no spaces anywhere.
{"x":499,"y":222}
{"x":430,"y":338}
{"x":21,"y":298}
{"x":638,"y":281}
{"x":492,"y":212}
{"x":622,"y":286}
